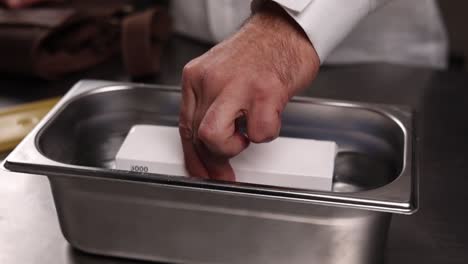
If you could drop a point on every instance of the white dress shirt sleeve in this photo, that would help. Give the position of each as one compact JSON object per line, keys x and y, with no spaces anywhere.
{"x":327,"y":22}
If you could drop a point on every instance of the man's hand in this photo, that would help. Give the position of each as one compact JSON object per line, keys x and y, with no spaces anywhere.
{"x":251,"y":75}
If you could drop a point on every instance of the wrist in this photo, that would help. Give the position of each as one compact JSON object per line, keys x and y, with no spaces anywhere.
{"x":299,"y":57}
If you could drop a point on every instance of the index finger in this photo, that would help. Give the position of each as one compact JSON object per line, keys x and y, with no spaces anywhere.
{"x":193,"y":163}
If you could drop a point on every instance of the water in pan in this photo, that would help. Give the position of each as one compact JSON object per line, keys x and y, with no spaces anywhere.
{"x":90,"y":130}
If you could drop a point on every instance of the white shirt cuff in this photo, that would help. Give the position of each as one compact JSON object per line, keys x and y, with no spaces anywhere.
{"x":327,"y":22}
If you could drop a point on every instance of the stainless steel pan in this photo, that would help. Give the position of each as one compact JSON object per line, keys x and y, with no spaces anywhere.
{"x":187,"y":220}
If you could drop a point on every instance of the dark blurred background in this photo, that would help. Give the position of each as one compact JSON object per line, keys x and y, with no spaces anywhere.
{"x":456,"y":20}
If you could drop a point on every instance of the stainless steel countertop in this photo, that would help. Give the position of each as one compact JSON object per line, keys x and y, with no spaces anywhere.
{"x":29,"y":230}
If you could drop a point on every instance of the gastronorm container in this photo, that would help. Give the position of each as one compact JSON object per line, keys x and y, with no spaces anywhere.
{"x":187,"y":220}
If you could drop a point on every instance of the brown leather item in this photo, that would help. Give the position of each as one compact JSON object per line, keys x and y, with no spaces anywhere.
{"x":143,"y":36}
{"x":50,"y":42}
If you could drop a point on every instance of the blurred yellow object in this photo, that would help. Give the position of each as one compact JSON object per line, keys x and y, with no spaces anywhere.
{"x":17,"y":121}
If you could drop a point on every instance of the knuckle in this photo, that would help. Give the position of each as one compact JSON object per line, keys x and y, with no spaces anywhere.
{"x":192,"y":70}
{"x":263,"y":136}
{"x":270,"y":92}
{"x":265,"y":131}
{"x":207,"y":134}
{"x":261,"y":91}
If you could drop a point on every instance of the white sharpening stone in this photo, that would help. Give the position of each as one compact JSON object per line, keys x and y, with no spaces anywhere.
{"x":285,"y":162}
